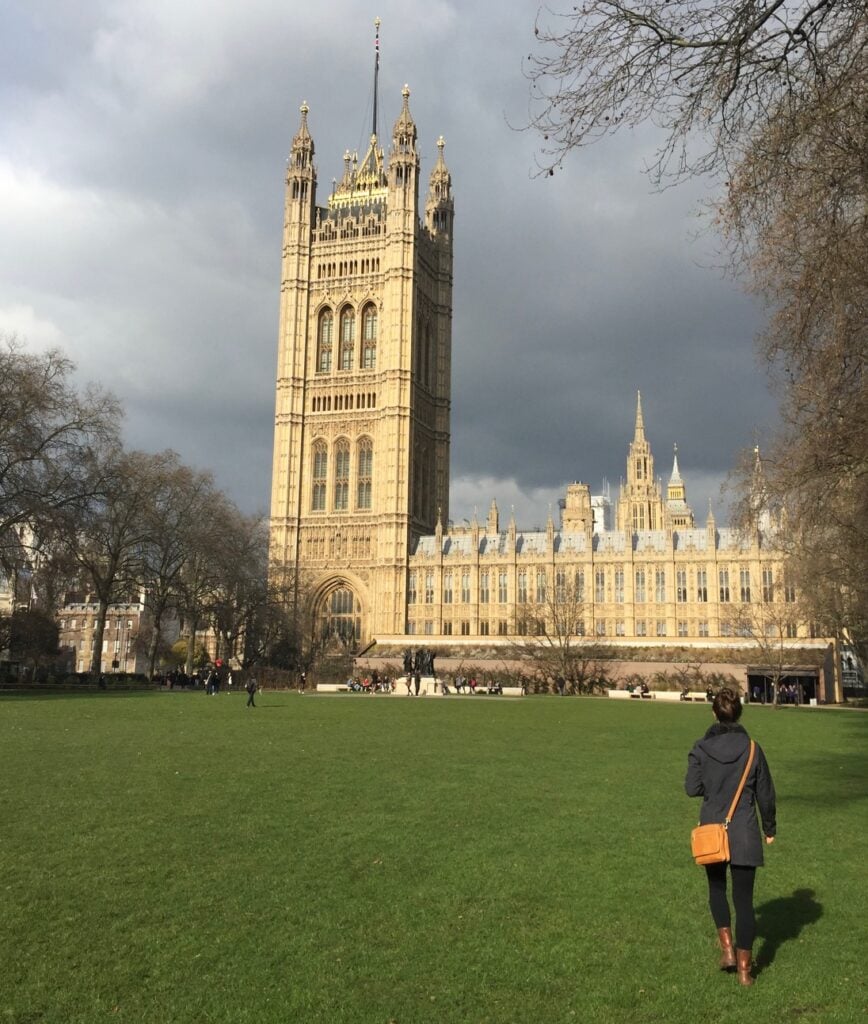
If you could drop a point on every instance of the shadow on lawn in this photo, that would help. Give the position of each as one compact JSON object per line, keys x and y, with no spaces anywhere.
{"x":782,"y":920}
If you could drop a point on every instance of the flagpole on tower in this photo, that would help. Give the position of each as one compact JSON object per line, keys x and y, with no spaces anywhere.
{"x":376,"y":68}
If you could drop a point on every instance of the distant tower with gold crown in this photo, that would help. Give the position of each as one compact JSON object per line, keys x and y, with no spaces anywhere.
{"x":361,"y":437}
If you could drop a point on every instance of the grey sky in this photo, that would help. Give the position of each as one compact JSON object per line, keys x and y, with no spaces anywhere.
{"x":142,"y":150}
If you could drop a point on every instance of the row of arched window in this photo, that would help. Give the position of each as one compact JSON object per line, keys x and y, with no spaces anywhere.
{"x":341,"y":476}
{"x":340,"y":403}
{"x":346,"y":357}
{"x":345,"y":268}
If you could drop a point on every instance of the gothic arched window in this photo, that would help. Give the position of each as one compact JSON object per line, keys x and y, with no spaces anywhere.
{"x":340,"y":616}
{"x":364,"y":472}
{"x":342,"y":474}
{"x":348,"y":337}
{"x":320,"y":472}
{"x":369,"y":337}
{"x":325,"y":332}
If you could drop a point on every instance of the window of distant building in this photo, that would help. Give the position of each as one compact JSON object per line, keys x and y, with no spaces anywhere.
{"x":320,"y":471}
{"x":681,"y":585}
{"x":369,"y":338}
{"x":364,"y":470}
{"x":639,"y":596}
{"x":541,"y":586}
{"x":342,"y":475}
{"x":325,"y":334}
{"x":723,"y":580}
{"x":348,"y":337}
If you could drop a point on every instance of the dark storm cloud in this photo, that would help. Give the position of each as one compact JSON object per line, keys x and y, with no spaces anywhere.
{"x":143,"y":149}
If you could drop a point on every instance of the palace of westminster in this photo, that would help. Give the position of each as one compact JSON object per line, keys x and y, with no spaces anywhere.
{"x":360,"y":486}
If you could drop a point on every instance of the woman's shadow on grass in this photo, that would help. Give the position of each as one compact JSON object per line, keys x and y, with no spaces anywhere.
{"x":782,"y":920}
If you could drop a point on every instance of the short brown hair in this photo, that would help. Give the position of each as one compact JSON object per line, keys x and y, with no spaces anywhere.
{"x":726,"y":705}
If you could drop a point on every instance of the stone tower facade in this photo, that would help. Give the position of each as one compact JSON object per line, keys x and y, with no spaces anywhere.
{"x":361,"y":443}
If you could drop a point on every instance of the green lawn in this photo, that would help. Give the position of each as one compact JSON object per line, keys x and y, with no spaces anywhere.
{"x":176,"y":858}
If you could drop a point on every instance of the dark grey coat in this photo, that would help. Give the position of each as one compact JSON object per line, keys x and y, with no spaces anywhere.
{"x":714,"y":770}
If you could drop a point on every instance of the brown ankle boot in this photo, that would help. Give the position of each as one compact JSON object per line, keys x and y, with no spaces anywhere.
{"x":727,"y":953}
{"x":744,"y":963}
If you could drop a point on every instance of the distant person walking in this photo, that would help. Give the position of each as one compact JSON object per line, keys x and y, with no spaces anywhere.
{"x":714,"y":769}
{"x":251,"y":692}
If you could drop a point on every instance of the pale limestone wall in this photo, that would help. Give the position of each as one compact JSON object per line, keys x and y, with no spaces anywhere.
{"x":368,"y":245}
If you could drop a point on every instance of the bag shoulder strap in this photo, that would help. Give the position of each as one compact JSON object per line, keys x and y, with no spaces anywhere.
{"x":738,"y":792}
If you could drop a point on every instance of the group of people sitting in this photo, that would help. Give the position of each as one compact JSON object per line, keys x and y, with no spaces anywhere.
{"x":375,"y":683}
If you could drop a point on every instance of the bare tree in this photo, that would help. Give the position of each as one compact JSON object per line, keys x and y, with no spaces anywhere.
{"x":47,"y":430}
{"x":710,"y":75}
{"x":179,"y":502}
{"x":772,"y":97}
{"x":768,"y":624}
{"x":239,"y":605}
{"x":557,"y":646}
{"x":108,"y":540}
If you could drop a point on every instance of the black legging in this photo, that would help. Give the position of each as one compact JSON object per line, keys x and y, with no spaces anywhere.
{"x":742,"y":900}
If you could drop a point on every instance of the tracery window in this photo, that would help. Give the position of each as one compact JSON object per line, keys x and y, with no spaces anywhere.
{"x":340,"y":616}
{"x":465,"y":586}
{"x":348,"y":336}
{"x":541,"y":586}
{"x":640,"y":586}
{"x":723,"y":580}
{"x":744,"y":585}
{"x":320,"y":472}
{"x":522,"y":586}
{"x":483,"y":587}
{"x":768,"y":585}
{"x":659,"y":585}
{"x":447,"y":588}
{"x":342,"y":475}
{"x":364,"y":472}
{"x":325,"y":334}
{"x":369,"y":338}
{"x":619,"y":585}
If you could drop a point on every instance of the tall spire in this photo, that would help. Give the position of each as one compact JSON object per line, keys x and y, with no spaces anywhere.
{"x":639,"y":434}
{"x":676,"y":475}
{"x":376,"y":71}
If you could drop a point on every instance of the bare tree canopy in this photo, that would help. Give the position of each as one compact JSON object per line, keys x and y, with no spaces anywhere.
{"x":719,"y":72}
{"x":47,"y":429}
{"x":773,"y":98}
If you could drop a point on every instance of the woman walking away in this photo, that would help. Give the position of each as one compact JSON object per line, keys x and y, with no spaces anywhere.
{"x":714,"y":769}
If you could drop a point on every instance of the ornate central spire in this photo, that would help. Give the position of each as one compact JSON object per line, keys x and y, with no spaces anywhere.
{"x":639,"y":434}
